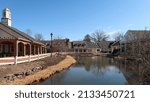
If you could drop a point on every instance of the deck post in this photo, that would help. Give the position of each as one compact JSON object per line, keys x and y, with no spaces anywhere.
{"x":30,"y":52}
{"x":38,"y":51}
{"x":16,"y":52}
{"x":24,"y":47}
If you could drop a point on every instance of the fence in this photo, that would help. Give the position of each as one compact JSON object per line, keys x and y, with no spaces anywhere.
{"x":21,"y":59}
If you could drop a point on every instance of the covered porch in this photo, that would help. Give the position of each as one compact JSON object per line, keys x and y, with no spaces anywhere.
{"x":12,"y":50}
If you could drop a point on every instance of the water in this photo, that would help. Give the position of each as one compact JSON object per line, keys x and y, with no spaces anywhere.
{"x":95,"y":71}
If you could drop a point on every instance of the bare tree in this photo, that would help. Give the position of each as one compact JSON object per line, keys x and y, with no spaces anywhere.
{"x":138,"y":48}
{"x":100,"y":38}
{"x":28,"y":31}
{"x":119,"y":36}
{"x":38,"y":36}
{"x":143,"y":56}
{"x":133,"y":43}
{"x":119,"y":40}
{"x":58,"y":36}
{"x":87,"y":38}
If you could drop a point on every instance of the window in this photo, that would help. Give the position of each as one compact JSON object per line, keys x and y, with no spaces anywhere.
{"x":6,"y":48}
{"x":3,"y":48}
{"x":98,"y":50}
{"x":11,"y":48}
{"x":76,"y":50}
{"x":80,"y":50}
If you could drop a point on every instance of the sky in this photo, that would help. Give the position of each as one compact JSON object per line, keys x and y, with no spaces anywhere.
{"x":74,"y":19}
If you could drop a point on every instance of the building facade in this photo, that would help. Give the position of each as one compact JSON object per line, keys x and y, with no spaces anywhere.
{"x":15,"y":43}
{"x":58,"y":45}
{"x":83,"y":47}
{"x":137,"y":43}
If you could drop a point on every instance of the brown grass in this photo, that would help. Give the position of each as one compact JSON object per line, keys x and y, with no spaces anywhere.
{"x":46,"y":73}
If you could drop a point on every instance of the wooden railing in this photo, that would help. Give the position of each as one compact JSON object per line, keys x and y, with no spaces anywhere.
{"x":21,"y":59}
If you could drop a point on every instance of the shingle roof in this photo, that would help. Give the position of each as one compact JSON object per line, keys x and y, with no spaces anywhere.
{"x":115,"y":43}
{"x":137,"y":34}
{"x":139,"y":31}
{"x":91,"y":45}
{"x":8,"y":33}
{"x":78,"y":42}
{"x":87,"y":44}
{"x":23,"y":34}
{"x":104,"y":45}
{"x":13,"y":33}
{"x":55,"y":41}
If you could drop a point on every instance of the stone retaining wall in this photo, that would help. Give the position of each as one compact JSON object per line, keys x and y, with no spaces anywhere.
{"x":38,"y":73}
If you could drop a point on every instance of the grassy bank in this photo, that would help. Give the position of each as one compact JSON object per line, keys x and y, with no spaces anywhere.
{"x":44,"y":74}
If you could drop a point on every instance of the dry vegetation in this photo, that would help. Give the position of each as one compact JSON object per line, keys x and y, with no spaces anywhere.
{"x":51,"y":66}
{"x":138,"y":48}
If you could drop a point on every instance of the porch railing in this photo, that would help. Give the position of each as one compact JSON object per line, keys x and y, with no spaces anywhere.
{"x":21,"y":59}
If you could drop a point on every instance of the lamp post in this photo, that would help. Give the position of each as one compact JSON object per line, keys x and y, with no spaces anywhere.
{"x":51,"y":43}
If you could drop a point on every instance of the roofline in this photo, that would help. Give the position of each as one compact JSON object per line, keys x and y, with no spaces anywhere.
{"x":34,"y":41}
{"x":19,"y":34}
{"x":116,"y":42}
{"x":7,"y":31}
{"x":138,"y":30}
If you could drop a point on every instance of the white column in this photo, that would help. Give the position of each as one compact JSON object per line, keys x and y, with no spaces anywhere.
{"x":24,"y":47}
{"x":30,"y":53}
{"x":38,"y":51}
{"x":16,"y":52}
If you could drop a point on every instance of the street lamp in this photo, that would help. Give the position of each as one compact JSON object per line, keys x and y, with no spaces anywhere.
{"x":51,"y":43}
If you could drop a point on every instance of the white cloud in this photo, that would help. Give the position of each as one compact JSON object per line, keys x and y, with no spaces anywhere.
{"x":113,"y":32}
{"x":129,"y":25}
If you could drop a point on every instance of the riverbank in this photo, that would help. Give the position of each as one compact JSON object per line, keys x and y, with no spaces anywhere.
{"x":41,"y":73}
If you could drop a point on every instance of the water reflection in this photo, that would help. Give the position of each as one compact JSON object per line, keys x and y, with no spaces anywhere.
{"x":96,"y":71}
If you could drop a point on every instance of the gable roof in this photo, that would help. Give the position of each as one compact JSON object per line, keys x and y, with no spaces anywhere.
{"x":13,"y":33}
{"x":104,"y":45}
{"x":115,"y":43}
{"x":87,"y":44}
{"x":10,"y":33}
{"x":55,"y":41}
{"x":139,"y":31}
{"x":137,"y":34}
{"x":91,"y":45}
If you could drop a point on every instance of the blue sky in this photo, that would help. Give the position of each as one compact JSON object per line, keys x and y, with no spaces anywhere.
{"x":74,"y":19}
